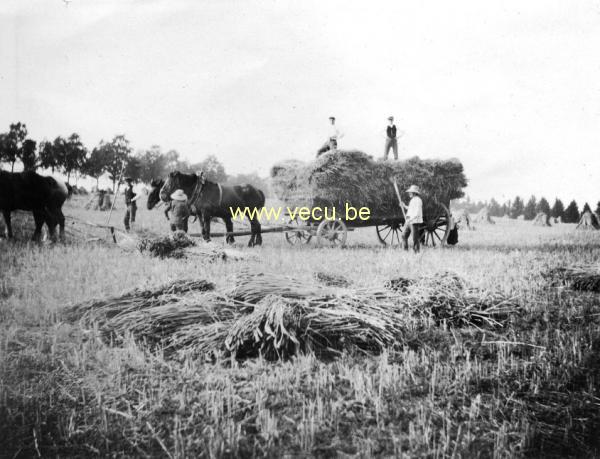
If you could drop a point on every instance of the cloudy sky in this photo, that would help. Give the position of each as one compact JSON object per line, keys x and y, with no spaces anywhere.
{"x":511,"y":88}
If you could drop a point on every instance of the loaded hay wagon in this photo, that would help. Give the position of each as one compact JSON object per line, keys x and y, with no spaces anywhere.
{"x":353,"y":178}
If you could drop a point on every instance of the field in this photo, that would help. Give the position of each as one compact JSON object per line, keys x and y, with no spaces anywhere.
{"x":530,"y":388}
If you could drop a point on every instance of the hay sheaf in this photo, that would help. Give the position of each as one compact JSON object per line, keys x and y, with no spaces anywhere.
{"x":277,"y":316}
{"x":353,"y":177}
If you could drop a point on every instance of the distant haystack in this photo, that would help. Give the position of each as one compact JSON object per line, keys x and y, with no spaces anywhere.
{"x":542,"y":219}
{"x":521,"y":217}
{"x":557,"y":220}
{"x":483,"y":216}
{"x":463,"y":218}
{"x":588,"y":220}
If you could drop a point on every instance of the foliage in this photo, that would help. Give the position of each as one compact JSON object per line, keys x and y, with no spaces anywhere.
{"x":517,"y":208}
{"x":586,"y":208}
{"x":530,"y":209}
{"x":11,"y":143}
{"x":47,"y":158}
{"x":213,"y":169}
{"x":558,"y":209}
{"x":95,"y":164}
{"x":116,"y":154}
{"x":543,"y":206}
{"x":571,"y":214}
{"x":74,"y":155}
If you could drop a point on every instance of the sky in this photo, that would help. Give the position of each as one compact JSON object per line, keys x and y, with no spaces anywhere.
{"x":511,"y":88}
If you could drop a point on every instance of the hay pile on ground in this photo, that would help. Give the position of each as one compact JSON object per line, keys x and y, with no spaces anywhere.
{"x":352,"y":177}
{"x":542,"y":219}
{"x":277,"y":316}
{"x":576,"y":277}
{"x":588,"y":221}
{"x":483,"y":216}
{"x":169,"y":246}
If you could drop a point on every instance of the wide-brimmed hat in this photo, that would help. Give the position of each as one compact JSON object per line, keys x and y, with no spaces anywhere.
{"x":332,"y":117}
{"x":179,"y":195}
{"x":128,"y":179}
{"x":414,"y":189}
{"x":391,"y":118}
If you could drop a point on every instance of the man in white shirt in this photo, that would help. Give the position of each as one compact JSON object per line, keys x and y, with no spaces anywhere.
{"x":414,"y":218}
{"x":334,"y":135}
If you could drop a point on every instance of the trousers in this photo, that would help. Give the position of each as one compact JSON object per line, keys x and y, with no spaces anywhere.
{"x":393,"y":144}
{"x":411,"y":228}
{"x":130,"y":215}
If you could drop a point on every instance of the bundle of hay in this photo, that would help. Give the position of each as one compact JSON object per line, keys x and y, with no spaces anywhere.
{"x":542,"y":219}
{"x":588,"y":221}
{"x":483,"y":216}
{"x":576,"y":277}
{"x":169,"y":246}
{"x":352,"y":177}
{"x":277,"y":316}
{"x":331,"y":280}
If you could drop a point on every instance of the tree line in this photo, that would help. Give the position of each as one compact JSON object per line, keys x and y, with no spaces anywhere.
{"x":69,"y":156}
{"x":518,"y":207}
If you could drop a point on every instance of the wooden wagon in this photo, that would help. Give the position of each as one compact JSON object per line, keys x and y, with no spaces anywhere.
{"x":436,"y":226}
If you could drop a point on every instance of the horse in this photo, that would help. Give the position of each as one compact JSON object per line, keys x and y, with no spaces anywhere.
{"x":212,"y":199}
{"x":43,"y":196}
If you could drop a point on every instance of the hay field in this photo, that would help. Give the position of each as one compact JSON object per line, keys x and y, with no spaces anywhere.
{"x":529,"y":389}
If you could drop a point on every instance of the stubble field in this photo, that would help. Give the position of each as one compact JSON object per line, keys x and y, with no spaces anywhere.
{"x":530,"y":388}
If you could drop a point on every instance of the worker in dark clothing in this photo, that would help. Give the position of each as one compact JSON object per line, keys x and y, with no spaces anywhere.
{"x":180,"y":212}
{"x":130,"y":202}
{"x":391,"y":139}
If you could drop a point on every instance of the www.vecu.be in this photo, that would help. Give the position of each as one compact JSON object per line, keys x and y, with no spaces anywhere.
{"x":302,"y":213}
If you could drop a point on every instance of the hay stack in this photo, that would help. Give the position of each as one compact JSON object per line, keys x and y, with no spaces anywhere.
{"x":352,"y":177}
{"x":542,"y":219}
{"x":483,"y":216}
{"x":588,"y":221}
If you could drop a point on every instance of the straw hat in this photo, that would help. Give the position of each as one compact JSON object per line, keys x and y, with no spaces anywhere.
{"x":414,"y":189}
{"x":391,"y":118}
{"x":179,"y":195}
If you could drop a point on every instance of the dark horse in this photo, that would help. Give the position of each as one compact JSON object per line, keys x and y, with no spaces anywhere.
{"x":44,"y":196}
{"x":154,"y":195}
{"x":211,"y":199}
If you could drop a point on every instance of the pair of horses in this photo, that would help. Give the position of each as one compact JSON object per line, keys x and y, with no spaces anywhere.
{"x":43,"y":196}
{"x":209,"y":200}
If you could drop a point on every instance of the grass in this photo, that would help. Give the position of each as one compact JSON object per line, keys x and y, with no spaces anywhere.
{"x":528,"y":389}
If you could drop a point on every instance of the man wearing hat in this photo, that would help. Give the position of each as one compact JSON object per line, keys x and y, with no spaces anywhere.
{"x":391,"y":140}
{"x":333,"y":137}
{"x":130,"y":202}
{"x":180,"y":211}
{"x":414,"y":218}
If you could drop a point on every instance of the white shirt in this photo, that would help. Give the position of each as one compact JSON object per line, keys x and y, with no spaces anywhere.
{"x":334,"y":132}
{"x":414,"y":213}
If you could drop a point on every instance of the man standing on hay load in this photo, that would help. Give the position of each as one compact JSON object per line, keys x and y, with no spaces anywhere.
{"x":130,"y":202}
{"x":414,"y":218}
{"x":332,"y":140}
{"x":391,"y":140}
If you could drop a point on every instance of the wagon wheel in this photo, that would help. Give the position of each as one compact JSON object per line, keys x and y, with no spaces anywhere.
{"x":390,"y":234}
{"x":435,"y":230}
{"x":299,"y":236}
{"x":332,"y":232}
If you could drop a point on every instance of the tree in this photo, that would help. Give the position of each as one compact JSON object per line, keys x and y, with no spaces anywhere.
{"x":586,"y":208}
{"x":47,"y":157}
{"x":517,"y":207}
{"x":529,"y":210}
{"x":95,"y":165}
{"x":571,"y":213}
{"x":543,"y":206}
{"x":597,"y":208}
{"x":153,"y":164}
{"x":558,"y":209}
{"x":28,"y":157}
{"x":72,"y":155}
{"x":117,"y":153}
{"x":213,"y":169}
{"x":495,"y":209}
{"x":133,"y":168}
{"x":11,"y":144}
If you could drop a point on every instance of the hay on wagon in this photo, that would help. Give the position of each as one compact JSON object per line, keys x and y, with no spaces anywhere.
{"x":355,"y":178}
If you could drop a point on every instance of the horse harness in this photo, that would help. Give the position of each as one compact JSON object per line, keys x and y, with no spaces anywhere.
{"x":198,"y":190}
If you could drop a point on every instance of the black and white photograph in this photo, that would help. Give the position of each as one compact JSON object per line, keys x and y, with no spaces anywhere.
{"x":311,"y":229}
